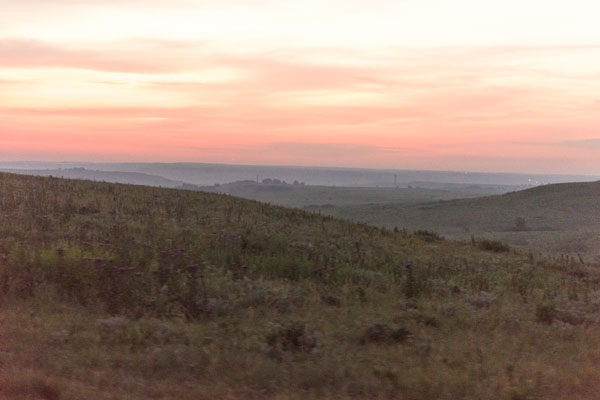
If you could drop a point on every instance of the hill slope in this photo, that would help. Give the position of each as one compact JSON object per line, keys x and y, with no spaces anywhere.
{"x":560,"y":218}
{"x":133,"y":178}
{"x":112,"y":291}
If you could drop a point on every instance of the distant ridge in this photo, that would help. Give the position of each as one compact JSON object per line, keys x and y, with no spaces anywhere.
{"x":134,"y":178}
{"x":209,"y":174}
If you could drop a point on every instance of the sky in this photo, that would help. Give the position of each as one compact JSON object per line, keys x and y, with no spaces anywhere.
{"x":472,"y":85}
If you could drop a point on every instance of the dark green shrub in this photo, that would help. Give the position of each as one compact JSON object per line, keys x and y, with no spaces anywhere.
{"x":545,"y":313}
{"x":411,"y":288}
{"x":428,"y":236}
{"x":493,"y":245}
{"x":383,"y":333}
{"x":291,"y":336}
{"x":521,"y":224}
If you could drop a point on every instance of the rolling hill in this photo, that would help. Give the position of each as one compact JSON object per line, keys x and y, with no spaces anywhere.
{"x":112,"y":291}
{"x":559,"y":218}
{"x":133,"y":178}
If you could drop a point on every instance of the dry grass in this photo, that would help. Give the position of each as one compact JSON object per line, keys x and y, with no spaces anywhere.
{"x":297,"y":307}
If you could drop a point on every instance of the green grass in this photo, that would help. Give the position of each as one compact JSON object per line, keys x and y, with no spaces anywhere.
{"x":112,"y":291}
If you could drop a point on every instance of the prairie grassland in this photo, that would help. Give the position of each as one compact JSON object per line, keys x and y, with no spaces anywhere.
{"x":560,"y":219}
{"x":121,"y":292}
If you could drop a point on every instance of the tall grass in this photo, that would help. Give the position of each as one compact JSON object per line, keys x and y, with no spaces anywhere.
{"x":111,"y":291}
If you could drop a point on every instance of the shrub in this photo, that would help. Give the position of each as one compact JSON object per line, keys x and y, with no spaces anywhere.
{"x":493,"y":245}
{"x":520,"y":224}
{"x":291,"y":336}
{"x":428,"y":236}
{"x":545,"y":313}
{"x":383,"y":333}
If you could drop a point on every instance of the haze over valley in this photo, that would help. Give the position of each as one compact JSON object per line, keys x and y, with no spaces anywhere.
{"x":210,"y":174}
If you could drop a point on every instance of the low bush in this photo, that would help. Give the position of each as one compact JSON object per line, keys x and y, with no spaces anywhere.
{"x":493,"y":245}
{"x":383,"y":333}
{"x":428,"y":236}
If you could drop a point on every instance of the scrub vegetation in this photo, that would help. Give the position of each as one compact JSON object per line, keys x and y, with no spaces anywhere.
{"x":112,"y":291}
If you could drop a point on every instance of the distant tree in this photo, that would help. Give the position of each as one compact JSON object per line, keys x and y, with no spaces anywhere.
{"x":521,"y":224}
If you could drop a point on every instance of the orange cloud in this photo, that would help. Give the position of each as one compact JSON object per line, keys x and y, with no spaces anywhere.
{"x":147,"y":99}
{"x":22,"y":53}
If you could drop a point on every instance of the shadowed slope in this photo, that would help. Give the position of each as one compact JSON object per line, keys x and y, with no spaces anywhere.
{"x":563,"y":218}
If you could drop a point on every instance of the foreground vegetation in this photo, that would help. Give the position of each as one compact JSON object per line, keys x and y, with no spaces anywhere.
{"x":112,"y":291}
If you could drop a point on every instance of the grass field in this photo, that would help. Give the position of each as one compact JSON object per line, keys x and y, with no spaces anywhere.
{"x":111,"y":291}
{"x":558,"y":219}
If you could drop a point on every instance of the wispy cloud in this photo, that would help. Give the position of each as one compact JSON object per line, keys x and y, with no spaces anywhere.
{"x":304,"y":153}
{"x":593,"y":143}
{"x":589,"y":143}
{"x":294,"y":82}
{"x":324,"y":149}
{"x":27,"y":53}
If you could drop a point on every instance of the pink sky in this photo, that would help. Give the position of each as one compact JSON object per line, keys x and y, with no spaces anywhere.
{"x":462,"y":85}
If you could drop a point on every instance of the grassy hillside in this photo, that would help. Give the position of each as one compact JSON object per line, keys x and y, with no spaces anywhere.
{"x":134,"y":178}
{"x":121,"y":292}
{"x":560,"y":218}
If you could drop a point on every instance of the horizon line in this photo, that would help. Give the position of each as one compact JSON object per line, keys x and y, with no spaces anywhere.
{"x":325,"y":167}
